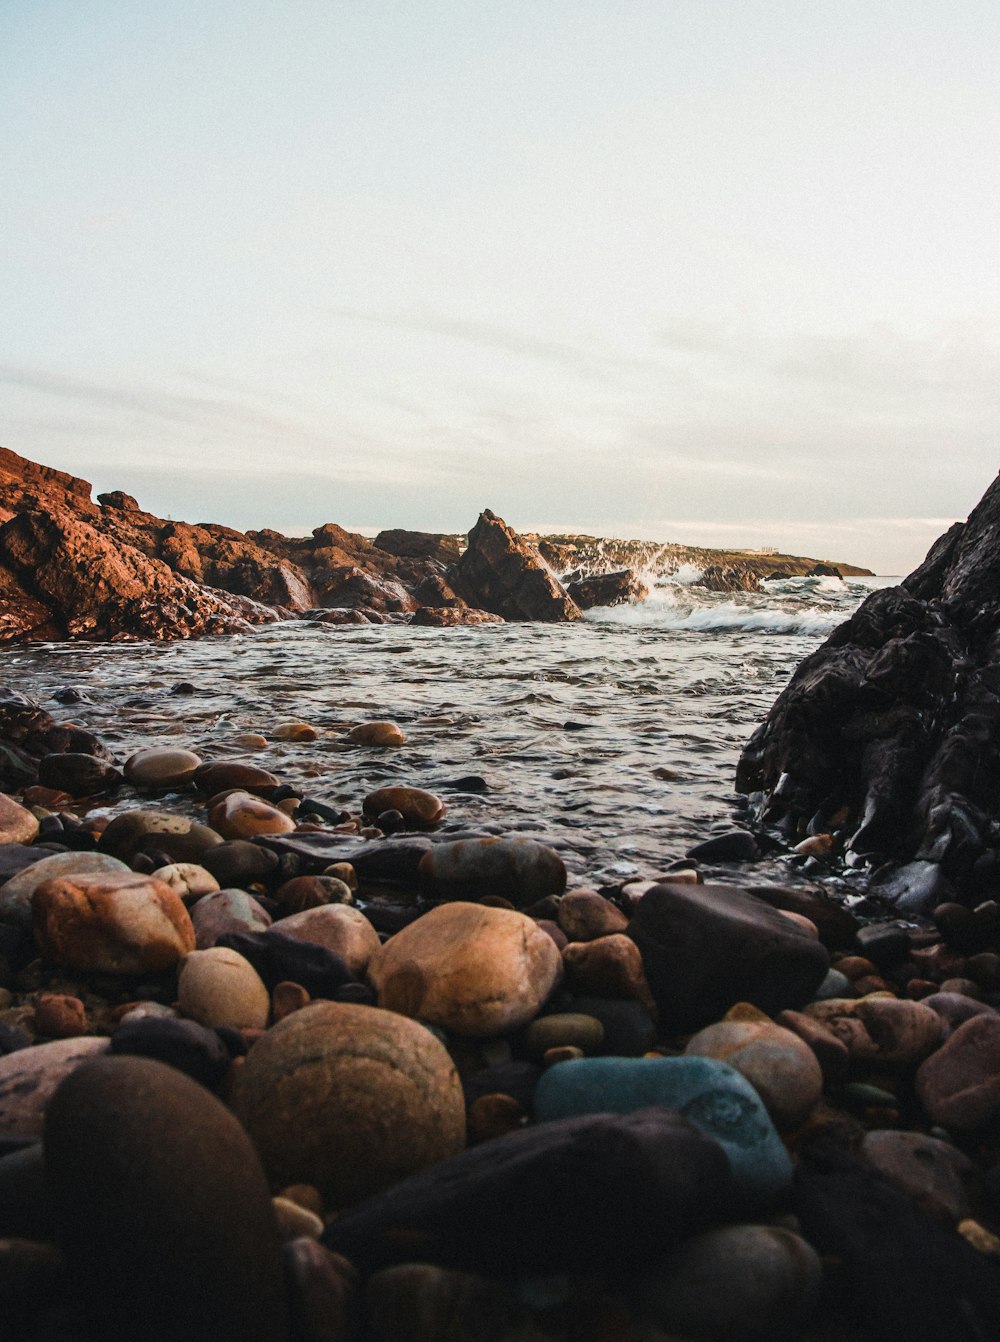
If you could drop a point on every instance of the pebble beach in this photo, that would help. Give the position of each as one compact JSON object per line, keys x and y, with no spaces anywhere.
{"x":304,"y":1070}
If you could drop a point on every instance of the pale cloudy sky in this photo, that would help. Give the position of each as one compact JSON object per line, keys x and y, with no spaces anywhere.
{"x":724,"y":271}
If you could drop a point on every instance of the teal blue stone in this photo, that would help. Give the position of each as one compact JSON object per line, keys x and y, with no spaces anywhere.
{"x":708,"y":1093}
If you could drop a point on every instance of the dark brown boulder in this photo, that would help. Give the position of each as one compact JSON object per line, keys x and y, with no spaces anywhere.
{"x":730,"y":578}
{"x":707,"y":947}
{"x":347,"y":585}
{"x":123,"y":502}
{"x":608,"y":589}
{"x":891,"y":730}
{"x":23,"y":616}
{"x":162,"y":1208}
{"x":502,"y":573}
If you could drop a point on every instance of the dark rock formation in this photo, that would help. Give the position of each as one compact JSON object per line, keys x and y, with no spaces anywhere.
{"x":502,"y":573}
{"x":447,"y":617}
{"x":419,"y":545}
{"x":607,"y":589}
{"x":890,"y":732}
{"x":730,"y":578}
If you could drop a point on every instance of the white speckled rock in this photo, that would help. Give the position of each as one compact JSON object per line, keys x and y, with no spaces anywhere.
{"x":341,"y":928}
{"x":15,"y":895}
{"x":30,"y":1077}
{"x":470,"y":968}
{"x":219,"y":987}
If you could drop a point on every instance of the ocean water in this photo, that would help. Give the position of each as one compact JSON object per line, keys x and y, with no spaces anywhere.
{"x":616,"y":737}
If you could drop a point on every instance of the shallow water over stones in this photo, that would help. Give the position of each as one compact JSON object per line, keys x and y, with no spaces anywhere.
{"x":616,"y":740}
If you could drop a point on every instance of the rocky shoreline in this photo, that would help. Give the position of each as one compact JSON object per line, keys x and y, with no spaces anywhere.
{"x":276,"y":1070}
{"x":106,"y":570}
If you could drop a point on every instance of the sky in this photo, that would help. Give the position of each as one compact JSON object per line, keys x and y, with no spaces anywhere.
{"x":724,"y":272}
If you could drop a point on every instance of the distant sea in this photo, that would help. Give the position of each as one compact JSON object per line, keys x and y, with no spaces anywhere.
{"x":616,"y":737}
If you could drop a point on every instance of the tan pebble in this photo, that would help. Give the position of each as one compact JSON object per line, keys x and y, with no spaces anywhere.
{"x":161,"y":767}
{"x":294,"y":1220}
{"x":494,"y":1115}
{"x":17,"y":824}
{"x":305,"y":1195}
{"x":609,"y":966}
{"x":854,"y":967}
{"x":376,"y":734}
{"x":241,"y":816}
{"x":287,"y":997}
{"x":294,"y":731}
{"x":250,"y":741}
{"x":418,"y":808}
{"x":686,"y":876}
{"x":779,"y":1065}
{"x":979,"y":1237}
{"x":561,"y":1053}
{"x":218,"y":986}
{"x":817,"y":845}
{"x":289,"y":805}
{"x":187,"y":879}
{"x":343,"y":872}
{"x":585,"y":915}
{"x":370,"y":832}
{"x":340,"y":927}
{"x":800,"y":920}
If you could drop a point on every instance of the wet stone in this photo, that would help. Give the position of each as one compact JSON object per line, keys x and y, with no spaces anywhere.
{"x":278,"y":956}
{"x":194,"y":1050}
{"x":555,"y":1031}
{"x":79,"y":775}
{"x":16,"y":895}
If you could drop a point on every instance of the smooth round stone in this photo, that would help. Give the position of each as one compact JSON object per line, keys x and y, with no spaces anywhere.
{"x":376,"y":734}
{"x":780,"y":1066}
{"x":736,"y":1282}
{"x":184,"y":1044}
{"x":584,"y":915}
{"x":935,"y":1174}
{"x":17,"y":893}
{"x":79,"y":775}
{"x":187,"y":879}
{"x":17,"y":824}
{"x":180,"y":836}
{"x":226,"y":911}
{"x":250,"y":741}
{"x":161,"y":767}
{"x":469,"y":968}
{"x":115,"y":924}
{"x":342,"y":928}
{"x":953,"y":1008}
{"x":520,"y":870}
{"x":420,"y":809}
{"x":241,"y":816}
{"x":240,"y":863}
{"x":560,"y":1029}
{"x":350,"y":1099}
{"x":834,"y":985}
{"x":322,"y":1289}
{"x":165,"y":1213}
{"x":607,"y":967}
{"x":710,"y":1094}
{"x":225,"y":774}
{"x":219,"y":987}
{"x":294,"y":731}
{"x":295,"y":1221}
{"x":29,"y":1078}
{"x":312,"y":892}
{"x":60,"y":1016}
{"x":959,"y":1085}
{"x":881,"y":1030}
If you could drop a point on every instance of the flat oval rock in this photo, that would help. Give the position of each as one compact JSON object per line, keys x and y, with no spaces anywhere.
{"x":520,"y":870}
{"x":164,"y":1209}
{"x":420,"y":809}
{"x":582,"y":1194}
{"x":225,"y":774}
{"x":161,"y":767}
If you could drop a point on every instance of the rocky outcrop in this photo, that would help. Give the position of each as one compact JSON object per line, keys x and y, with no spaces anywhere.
{"x":419,"y":545}
{"x":890,"y":732}
{"x":730,"y":578}
{"x":95,"y":588}
{"x":607,"y":589}
{"x":502,"y":573}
